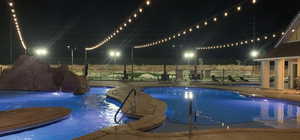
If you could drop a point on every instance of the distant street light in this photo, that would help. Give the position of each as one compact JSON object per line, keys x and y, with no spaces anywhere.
{"x":41,"y":52}
{"x":254,"y":53}
{"x":72,"y":53}
{"x":114,"y":54}
{"x":189,"y":55}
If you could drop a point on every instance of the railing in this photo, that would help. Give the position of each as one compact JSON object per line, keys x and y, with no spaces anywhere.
{"x":132,"y":91}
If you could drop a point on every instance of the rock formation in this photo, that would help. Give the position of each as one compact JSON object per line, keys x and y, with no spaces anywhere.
{"x":29,"y":73}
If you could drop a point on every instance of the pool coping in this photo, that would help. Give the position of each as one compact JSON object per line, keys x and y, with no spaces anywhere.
{"x":134,"y":129}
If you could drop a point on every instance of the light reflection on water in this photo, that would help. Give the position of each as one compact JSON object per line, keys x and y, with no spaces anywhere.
{"x":217,"y":107}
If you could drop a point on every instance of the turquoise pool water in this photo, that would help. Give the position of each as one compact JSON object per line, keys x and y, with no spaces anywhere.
{"x":219,"y":108}
{"x":90,"y":112}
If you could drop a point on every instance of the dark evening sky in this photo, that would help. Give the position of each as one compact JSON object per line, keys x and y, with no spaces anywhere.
{"x":56,"y":23}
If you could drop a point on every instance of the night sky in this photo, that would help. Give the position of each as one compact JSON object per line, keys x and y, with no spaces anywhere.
{"x":57,"y":23}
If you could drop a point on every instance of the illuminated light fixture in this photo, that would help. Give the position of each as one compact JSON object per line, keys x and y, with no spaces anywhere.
{"x":13,"y":10}
{"x":205,"y":23}
{"x":14,"y":15}
{"x":266,"y":37}
{"x":121,"y":28}
{"x":179,"y":35}
{"x":274,"y":35}
{"x":129,"y":20}
{"x":232,"y":44}
{"x":197,"y":26}
{"x":170,"y":38}
{"x":10,"y":4}
{"x":41,"y":52}
{"x":215,"y":18}
{"x":148,"y":2}
{"x":135,"y":15}
{"x":184,"y":32}
{"x":190,"y":29}
{"x":114,"y":54}
{"x":246,"y":42}
{"x":293,"y":30}
{"x":114,"y":34}
{"x":225,"y":14}
{"x":125,"y":24}
{"x":242,"y":43}
{"x":117,"y":31}
{"x":254,"y":53}
{"x":282,"y":33}
{"x":254,"y":1}
{"x":140,"y":10}
{"x":239,"y":8}
{"x":258,"y":39}
{"x":174,"y":36}
{"x":252,"y":40}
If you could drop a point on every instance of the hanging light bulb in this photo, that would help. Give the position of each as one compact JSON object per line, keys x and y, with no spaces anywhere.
{"x":197,"y":26}
{"x":205,"y":23}
{"x":135,"y":15}
{"x":215,"y":19}
{"x":254,"y":1}
{"x":11,"y":4}
{"x":239,"y":8}
{"x":140,"y":10}
{"x":148,"y":2}
{"x":225,"y":14}
{"x":129,"y":20}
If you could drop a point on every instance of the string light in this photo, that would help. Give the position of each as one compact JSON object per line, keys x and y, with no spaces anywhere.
{"x":225,"y":14}
{"x":234,"y":9}
{"x":239,"y":8}
{"x":254,"y":1}
{"x":121,"y":27}
{"x":242,"y":43}
{"x":17,"y":26}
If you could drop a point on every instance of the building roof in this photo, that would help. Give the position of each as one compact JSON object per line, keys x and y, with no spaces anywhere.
{"x":291,"y":49}
{"x":283,"y":48}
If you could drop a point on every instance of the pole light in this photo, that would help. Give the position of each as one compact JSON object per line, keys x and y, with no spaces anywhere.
{"x":254,"y":53}
{"x":72,"y":53}
{"x":189,"y":55}
{"x":41,"y":51}
{"x":114,"y":54}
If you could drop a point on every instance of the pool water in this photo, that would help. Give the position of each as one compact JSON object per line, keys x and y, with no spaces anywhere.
{"x":90,"y":112}
{"x":224,"y":108}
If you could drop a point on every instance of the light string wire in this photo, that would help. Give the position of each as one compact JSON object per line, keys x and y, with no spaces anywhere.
{"x":237,"y":8}
{"x":130,"y":20}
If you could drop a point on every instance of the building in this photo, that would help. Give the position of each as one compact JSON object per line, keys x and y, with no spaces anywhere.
{"x":287,"y":50}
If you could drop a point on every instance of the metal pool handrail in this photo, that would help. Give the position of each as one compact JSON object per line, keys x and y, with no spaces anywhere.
{"x":132,"y":91}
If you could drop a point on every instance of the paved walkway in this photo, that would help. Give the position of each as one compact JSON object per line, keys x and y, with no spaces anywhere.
{"x":151,"y":114}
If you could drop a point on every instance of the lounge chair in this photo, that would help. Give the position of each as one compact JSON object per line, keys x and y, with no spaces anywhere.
{"x":244,"y":80}
{"x":231,"y":79}
{"x":214,"y":79}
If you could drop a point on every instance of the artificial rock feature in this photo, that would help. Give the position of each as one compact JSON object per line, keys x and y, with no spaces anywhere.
{"x":29,"y":73}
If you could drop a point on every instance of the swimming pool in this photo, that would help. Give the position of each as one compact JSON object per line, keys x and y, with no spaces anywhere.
{"x":90,"y":112}
{"x":217,"y":108}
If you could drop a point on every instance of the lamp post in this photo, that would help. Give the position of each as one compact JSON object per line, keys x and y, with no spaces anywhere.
{"x":72,"y":53}
{"x":254,"y":54}
{"x":114,"y":55}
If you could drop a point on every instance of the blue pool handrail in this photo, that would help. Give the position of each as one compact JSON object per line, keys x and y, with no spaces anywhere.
{"x":132,"y":91}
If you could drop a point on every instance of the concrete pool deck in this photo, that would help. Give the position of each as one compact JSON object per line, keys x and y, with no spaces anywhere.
{"x":26,"y":118}
{"x":151,"y":114}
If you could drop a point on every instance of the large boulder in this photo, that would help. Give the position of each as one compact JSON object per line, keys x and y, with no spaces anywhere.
{"x":29,"y":73}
